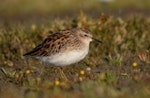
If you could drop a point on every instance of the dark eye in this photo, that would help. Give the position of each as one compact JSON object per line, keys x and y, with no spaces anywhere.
{"x":85,"y":35}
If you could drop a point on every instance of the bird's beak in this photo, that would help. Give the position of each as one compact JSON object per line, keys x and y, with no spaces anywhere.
{"x":96,"y":40}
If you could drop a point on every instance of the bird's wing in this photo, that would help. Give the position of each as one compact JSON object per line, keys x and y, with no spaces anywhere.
{"x":51,"y":45}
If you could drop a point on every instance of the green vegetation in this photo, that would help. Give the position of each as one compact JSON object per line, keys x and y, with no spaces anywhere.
{"x":119,"y":67}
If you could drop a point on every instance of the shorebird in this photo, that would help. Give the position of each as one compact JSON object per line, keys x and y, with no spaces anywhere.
{"x":63,"y":48}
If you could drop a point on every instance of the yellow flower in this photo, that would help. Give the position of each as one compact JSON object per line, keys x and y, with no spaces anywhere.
{"x":134,"y":64}
{"x":82,"y":72}
{"x":28,"y":71}
{"x":57,"y":82}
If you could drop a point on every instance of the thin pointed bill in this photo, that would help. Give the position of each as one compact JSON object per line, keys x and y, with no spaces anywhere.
{"x":97,"y":40}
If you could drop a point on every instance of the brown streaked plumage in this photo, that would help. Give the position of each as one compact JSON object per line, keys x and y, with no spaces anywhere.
{"x":64,"y":47}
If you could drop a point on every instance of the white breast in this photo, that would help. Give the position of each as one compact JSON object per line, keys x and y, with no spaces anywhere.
{"x":66,"y":58}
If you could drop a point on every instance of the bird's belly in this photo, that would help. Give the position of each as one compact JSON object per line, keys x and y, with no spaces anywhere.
{"x":64,"y":59}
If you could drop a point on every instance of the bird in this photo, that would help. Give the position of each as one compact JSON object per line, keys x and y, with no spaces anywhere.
{"x":64,"y":47}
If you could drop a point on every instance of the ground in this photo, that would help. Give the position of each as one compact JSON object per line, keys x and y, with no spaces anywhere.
{"x":118,"y":67}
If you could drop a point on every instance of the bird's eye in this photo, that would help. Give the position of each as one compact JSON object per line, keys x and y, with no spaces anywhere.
{"x":85,"y":35}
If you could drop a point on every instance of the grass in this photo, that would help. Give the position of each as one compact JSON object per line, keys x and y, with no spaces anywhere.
{"x":119,"y":67}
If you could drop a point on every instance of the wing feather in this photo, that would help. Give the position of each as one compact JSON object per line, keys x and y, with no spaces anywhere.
{"x":51,"y":45}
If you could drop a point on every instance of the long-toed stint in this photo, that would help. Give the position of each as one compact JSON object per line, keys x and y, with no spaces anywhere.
{"x":63,"y":48}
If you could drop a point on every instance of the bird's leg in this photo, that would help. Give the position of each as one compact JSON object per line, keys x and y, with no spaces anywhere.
{"x":63,"y":76}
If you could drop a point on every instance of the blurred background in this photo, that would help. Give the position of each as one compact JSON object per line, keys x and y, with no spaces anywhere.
{"x":22,"y":10}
